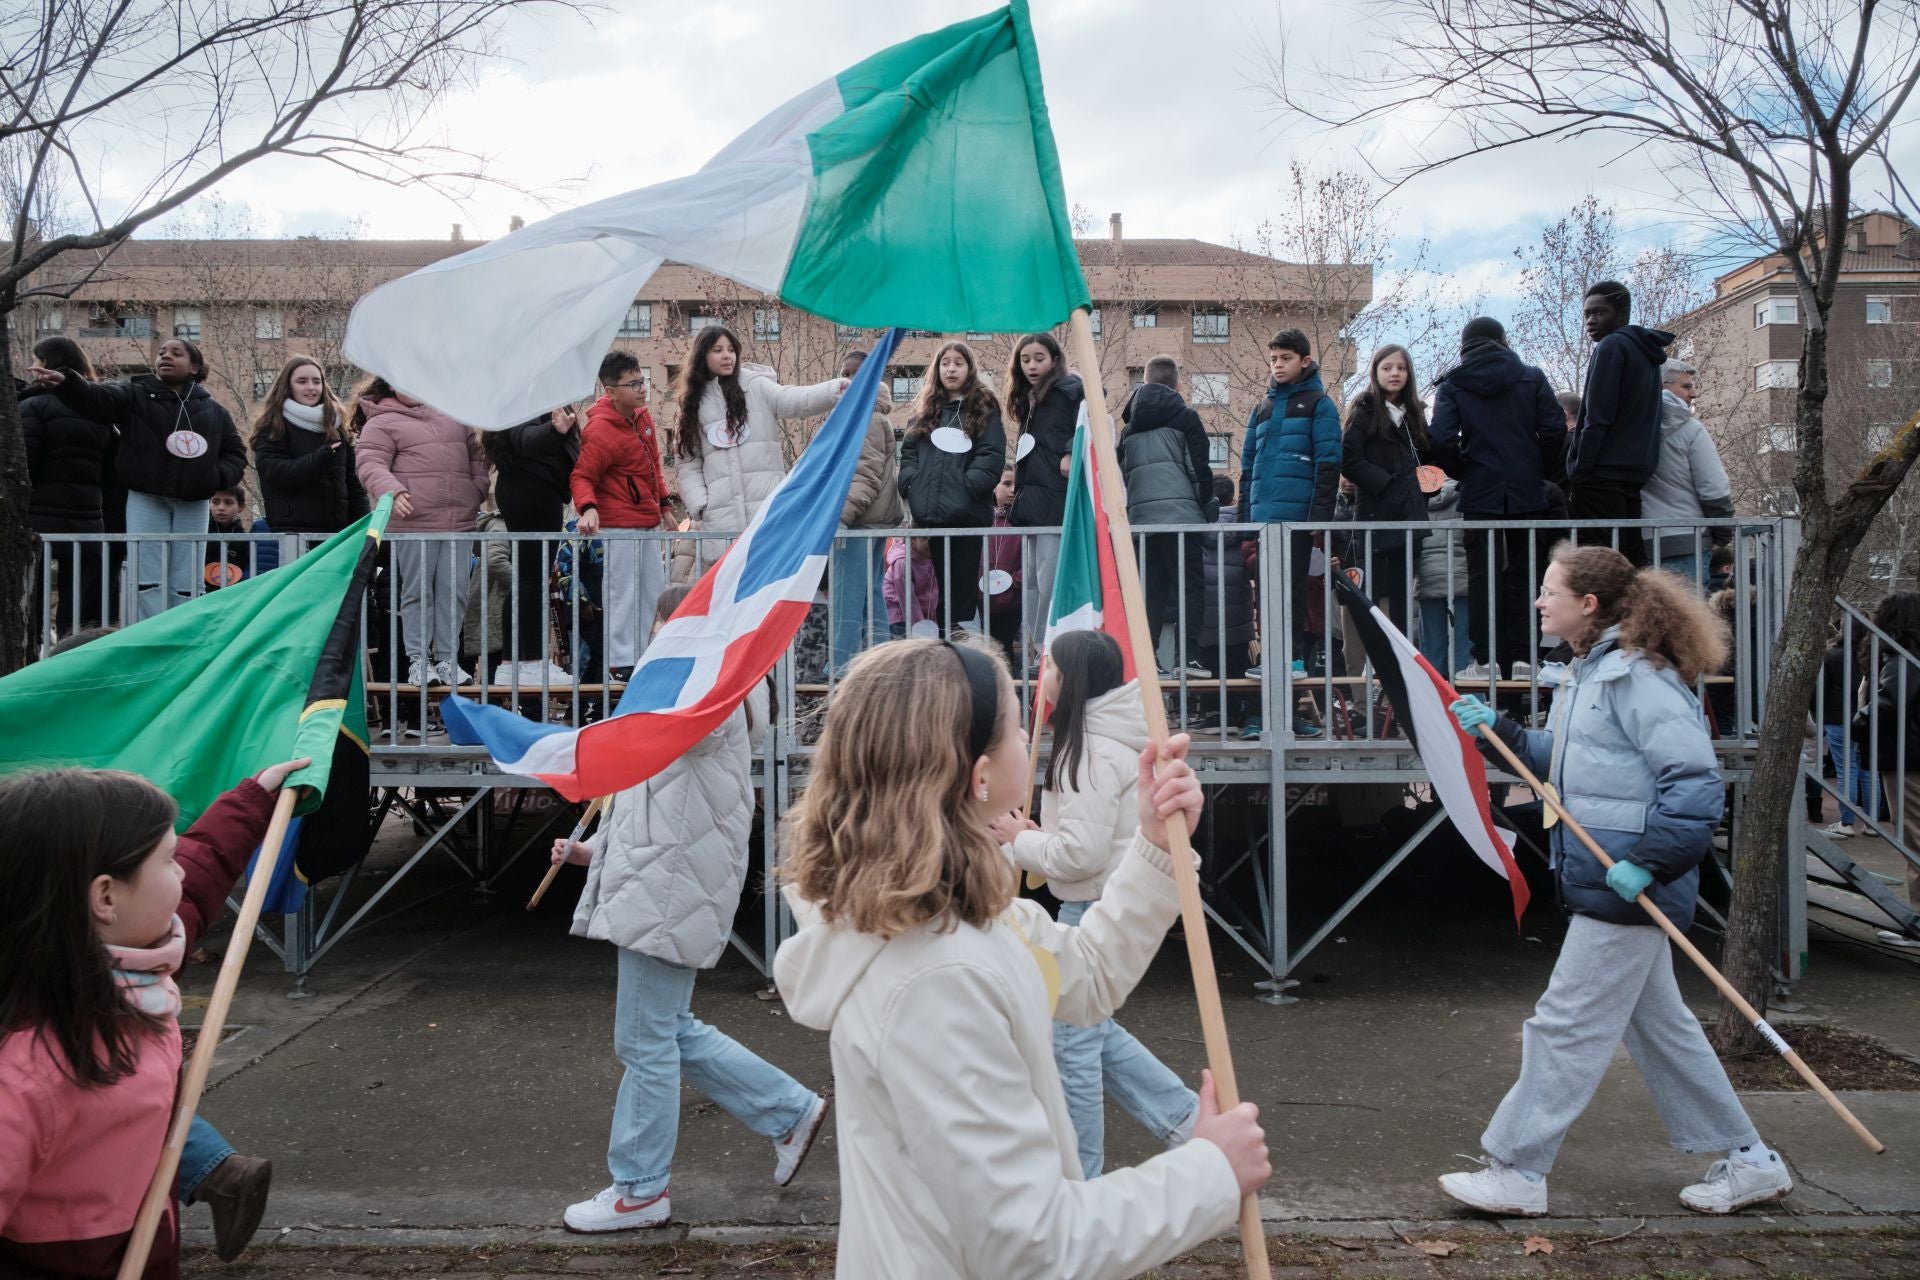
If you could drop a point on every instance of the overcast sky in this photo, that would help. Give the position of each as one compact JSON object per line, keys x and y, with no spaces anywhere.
{"x":1159,"y":108}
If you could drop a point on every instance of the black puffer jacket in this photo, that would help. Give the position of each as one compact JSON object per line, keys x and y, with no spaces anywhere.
{"x":1235,"y":626}
{"x":1382,"y":459}
{"x":952,"y":490}
{"x":70,"y":459}
{"x":533,"y":461}
{"x":1498,"y":430}
{"x":1040,"y":494}
{"x":305,"y":486}
{"x":147,"y":411}
{"x":1163,"y":457}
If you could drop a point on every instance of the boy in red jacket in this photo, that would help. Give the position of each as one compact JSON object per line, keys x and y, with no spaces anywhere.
{"x":618,"y":483}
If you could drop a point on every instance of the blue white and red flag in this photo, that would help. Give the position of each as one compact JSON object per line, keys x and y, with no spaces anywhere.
{"x":722,"y":640}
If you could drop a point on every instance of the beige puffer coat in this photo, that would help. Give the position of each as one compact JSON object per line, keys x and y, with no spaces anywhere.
{"x":420,"y":451}
{"x":725,"y":486}
{"x":671,"y":854}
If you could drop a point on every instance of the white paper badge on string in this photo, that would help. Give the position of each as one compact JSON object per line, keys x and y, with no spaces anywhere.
{"x":186,"y":444}
{"x":721,"y":438}
{"x":951,"y":440}
{"x":925,"y":629}
{"x":1026,"y":447}
{"x":996,"y":581}
{"x":1317,"y":564}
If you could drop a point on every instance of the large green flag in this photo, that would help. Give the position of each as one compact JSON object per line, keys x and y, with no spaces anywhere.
{"x":212,"y":692}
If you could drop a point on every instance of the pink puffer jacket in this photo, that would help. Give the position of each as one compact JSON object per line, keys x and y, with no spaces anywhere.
{"x":422,"y":452}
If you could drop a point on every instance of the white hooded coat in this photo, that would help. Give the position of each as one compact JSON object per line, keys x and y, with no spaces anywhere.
{"x":670,"y":856}
{"x":957,"y":1154}
{"x":725,"y":486}
{"x":1085,"y":832}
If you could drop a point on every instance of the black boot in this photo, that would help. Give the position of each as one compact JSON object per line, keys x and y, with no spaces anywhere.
{"x":236,"y":1191}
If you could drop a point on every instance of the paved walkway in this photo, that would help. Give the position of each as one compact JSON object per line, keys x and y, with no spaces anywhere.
{"x":450,"y":1084}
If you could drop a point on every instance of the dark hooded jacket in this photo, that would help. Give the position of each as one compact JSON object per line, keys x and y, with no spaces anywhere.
{"x":1040,"y":493}
{"x":1617,"y":437}
{"x":1290,"y":458}
{"x":306,"y":485}
{"x":1383,"y":460}
{"x":1163,"y":457}
{"x":70,"y":460}
{"x":1498,"y":430}
{"x":147,"y":411}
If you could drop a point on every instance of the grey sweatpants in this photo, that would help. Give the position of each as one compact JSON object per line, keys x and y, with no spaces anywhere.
{"x":434,"y":580}
{"x":1613,"y":983}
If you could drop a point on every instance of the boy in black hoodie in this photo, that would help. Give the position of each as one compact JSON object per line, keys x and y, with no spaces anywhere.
{"x":1616,"y":443}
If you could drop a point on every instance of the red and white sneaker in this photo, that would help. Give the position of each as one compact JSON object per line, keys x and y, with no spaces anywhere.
{"x":789,"y":1151}
{"x":611,"y":1211}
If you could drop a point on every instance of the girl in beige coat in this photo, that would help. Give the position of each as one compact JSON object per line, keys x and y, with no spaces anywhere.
{"x":939,"y":987}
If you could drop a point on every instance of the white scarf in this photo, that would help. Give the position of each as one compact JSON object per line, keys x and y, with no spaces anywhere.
{"x":308,"y":417}
{"x":1396,"y":412}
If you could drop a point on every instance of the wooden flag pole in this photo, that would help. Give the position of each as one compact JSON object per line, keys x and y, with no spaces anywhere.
{"x":160,"y":1190}
{"x":579,"y":832}
{"x":1034,"y":879}
{"x":1725,"y":988}
{"x":1193,"y":919}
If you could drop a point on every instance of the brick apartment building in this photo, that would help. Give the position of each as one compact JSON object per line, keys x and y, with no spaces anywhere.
{"x":250,"y":304}
{"x":1746,"y":343}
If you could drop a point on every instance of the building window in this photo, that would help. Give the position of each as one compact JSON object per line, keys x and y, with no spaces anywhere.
{"x":766,"y":324}
{"x":134,"y":327}
{"x":919,"y":333}
{"x":1147,"y":317}
{"x":1093,"y":321}
{"x":1779,"y":437}
{"x":1880,"y":566}
{"x":262,"y":382}
{"x":268,"y":324}
{"x":1879,"y":373}
{"x":848,"y":333}
{"x":52,"y":320}
{"x":905,"y":383}
{"x":1776,"y":311}
{"x":1209,"y":327}
{"x":1207,"y":390}
{"x":186,"y":323}
{"x":700,"y":320}
{"x":1780,"y":502}
{"x":1879,"y":310}
{"x":1879,"y":436}
{"x":638,"y":322}
{"x":1219,"y":449}
{"x":975,"y":335}
{"x":1136,"y":374}
{"x":1770,"y":374}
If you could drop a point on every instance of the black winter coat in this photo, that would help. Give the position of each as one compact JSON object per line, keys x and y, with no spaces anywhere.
{"x":70,"y":460}
{"x":1235,"y":626}
{"x":1617,"y":437}
{"x":533,"y":462}
{"x":305,"y":486}
{"x":1163,"y":458}
{"x":147,"y":411}
{"x":1498,"y":430}
{"x":1382,"y":460}
{"x":1040,"y":494}
{"x":952,"y":490}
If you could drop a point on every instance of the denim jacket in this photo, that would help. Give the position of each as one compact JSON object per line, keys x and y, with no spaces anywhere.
{"x":1626,"y":747}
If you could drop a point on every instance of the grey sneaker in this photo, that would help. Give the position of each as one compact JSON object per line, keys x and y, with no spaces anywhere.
{"x":1732,"y":1185}
{"x":1498,"y":1188}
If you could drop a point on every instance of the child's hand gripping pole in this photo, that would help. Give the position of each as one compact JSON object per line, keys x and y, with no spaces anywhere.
{"x":1484,"y":725}
{"x":579,"y":832}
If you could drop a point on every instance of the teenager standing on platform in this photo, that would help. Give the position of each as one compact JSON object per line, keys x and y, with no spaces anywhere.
{"x":1044,"y":399}
{"x":950,"y":463}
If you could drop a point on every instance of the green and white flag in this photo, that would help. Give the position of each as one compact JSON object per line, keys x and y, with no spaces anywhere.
{"x":919,"y":188}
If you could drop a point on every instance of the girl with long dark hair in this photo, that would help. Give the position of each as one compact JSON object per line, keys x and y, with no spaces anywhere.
{"x":950,"y":462}
{"x":303,"y":454}
{"x":1043,"y":400}
{"x":1382,"y":448}
{"x":1627,"y":750}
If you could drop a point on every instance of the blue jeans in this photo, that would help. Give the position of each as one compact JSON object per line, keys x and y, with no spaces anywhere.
{"x":1859,"y":787}
{"x":656,"y":1039}
{"x":204,"y":1151}
{"x":1107,"y":1055}
{"x":856,"y":573}
{"x":1438,"y":616}
{"x":1686,"y":564}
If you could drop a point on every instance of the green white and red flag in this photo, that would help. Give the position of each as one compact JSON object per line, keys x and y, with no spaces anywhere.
{"x":1086,"y":583}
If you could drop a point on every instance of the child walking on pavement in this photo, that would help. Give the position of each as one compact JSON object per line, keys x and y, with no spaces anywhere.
{"x":663,"y":881}
{"x":1088,"y":820}
{"x":89,"y":1014}
{"x":939,"y":986}
{"x":1628,"y":753}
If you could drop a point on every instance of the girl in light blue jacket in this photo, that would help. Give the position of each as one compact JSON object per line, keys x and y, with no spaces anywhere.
{"x":1627,"y":751}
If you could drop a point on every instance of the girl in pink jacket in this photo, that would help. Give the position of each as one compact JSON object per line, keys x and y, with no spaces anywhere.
{"x":436,"y":471}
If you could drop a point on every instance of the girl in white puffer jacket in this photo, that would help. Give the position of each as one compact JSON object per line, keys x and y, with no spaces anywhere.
{"x":727,"y":446}
{"x":1087,"y":824}
{"x":664,"y":872}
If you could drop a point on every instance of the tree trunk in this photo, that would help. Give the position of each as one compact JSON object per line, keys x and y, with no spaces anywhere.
{"x":18,"y":546}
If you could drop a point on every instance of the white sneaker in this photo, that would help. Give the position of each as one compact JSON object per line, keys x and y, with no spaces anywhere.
{"x":1838,"y":831}
{"x":1733,"y":1184}
{"x":1473,"y":673}
{"x":532,"y":675}
{"x":788,"y":1152}
{"x":1498,"y":1188}
{"x":1893,"y":939}
{"x":611,"y":1211}
{"x":420,"y":674}
{"x":451,"y":673}
{"x":1521,"y":671}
